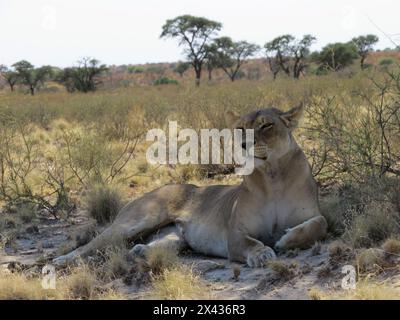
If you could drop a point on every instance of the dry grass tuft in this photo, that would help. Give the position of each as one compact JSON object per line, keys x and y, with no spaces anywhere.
{"x":391,"y":246}
{"x":339,"y":252}
{"x":332,"y":209}
{"x":8,"y":238}
{"x":324,"y":271}
{"x":116,"y":264}
{"x":281,"y":269}
{"x":367,"y":290}
{"x":236,"y":270}
{"x":371,"y":259}
{"x":7,"y":222}
{"x":377,"y":223}
{"x":158,"y":259}
{"x":336,"y":249}
{"x":26,"y":212}
{"x":111,"y":295}
{"x":80,"y":284}
{"x":179,"y":283}
{"x":17,"y":286}
{"x":103,"y":203}
{"x":315,"y":294}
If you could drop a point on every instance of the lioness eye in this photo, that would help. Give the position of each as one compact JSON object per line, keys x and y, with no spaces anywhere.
{"x":267,"y":126}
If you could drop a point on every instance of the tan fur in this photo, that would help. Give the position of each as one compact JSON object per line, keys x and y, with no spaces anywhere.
{"x":275,"y":206}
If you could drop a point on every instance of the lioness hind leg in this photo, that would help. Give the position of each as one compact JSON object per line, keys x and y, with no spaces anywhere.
{"x":120,"y":231}
{"x":137,"y":219}
{"x":303,"y":235}
{"x":168,"y":239}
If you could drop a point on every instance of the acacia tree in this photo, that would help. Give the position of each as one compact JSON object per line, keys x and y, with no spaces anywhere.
{"x":364,"y":46}
{"x":84,"y":77}
{"x":231,"y":55}
{"x":279,"y":49}
{"x":274,"y":66}
{"x":211,"y":59}
{"x":30,"y":76}
{"x":194,"y":33}
{"x":66,"y":78}
{"x":300,"y":49}
{"x":10,"y":76}
{"x":289,"y":54}
{"x":181,"y":68}
{"x":336,"y":56}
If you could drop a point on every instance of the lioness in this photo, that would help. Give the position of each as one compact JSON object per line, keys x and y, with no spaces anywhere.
{"x":274,"y":207}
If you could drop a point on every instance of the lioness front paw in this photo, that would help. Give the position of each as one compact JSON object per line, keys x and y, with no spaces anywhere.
{"x":259,"y":257}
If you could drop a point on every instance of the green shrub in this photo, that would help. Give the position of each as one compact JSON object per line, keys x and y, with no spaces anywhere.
{"x":155,"y":69}
{"x":335,"y":56}
{"x":386,"y":61}
{"x":164,"y":80}
{"x":135,"y":69}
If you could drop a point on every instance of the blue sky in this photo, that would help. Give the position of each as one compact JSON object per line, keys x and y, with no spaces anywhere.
{"x":127,"y":31}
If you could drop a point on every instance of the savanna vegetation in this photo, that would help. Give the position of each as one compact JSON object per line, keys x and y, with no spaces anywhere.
{"x":75,"y":145}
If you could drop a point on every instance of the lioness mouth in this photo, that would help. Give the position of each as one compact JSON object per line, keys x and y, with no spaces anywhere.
{"x":260,"y":152}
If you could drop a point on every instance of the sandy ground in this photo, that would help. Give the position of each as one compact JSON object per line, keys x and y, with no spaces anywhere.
{"x":312,"y":268}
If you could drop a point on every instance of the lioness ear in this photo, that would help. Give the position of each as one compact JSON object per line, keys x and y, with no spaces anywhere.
{"x":231,"y":118}
{"x":291,"y":118}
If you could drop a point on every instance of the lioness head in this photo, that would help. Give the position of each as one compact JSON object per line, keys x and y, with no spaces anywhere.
{"x":272,"y":130}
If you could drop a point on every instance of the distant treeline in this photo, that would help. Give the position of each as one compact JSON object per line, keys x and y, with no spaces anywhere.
{"x":204,"y":50}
